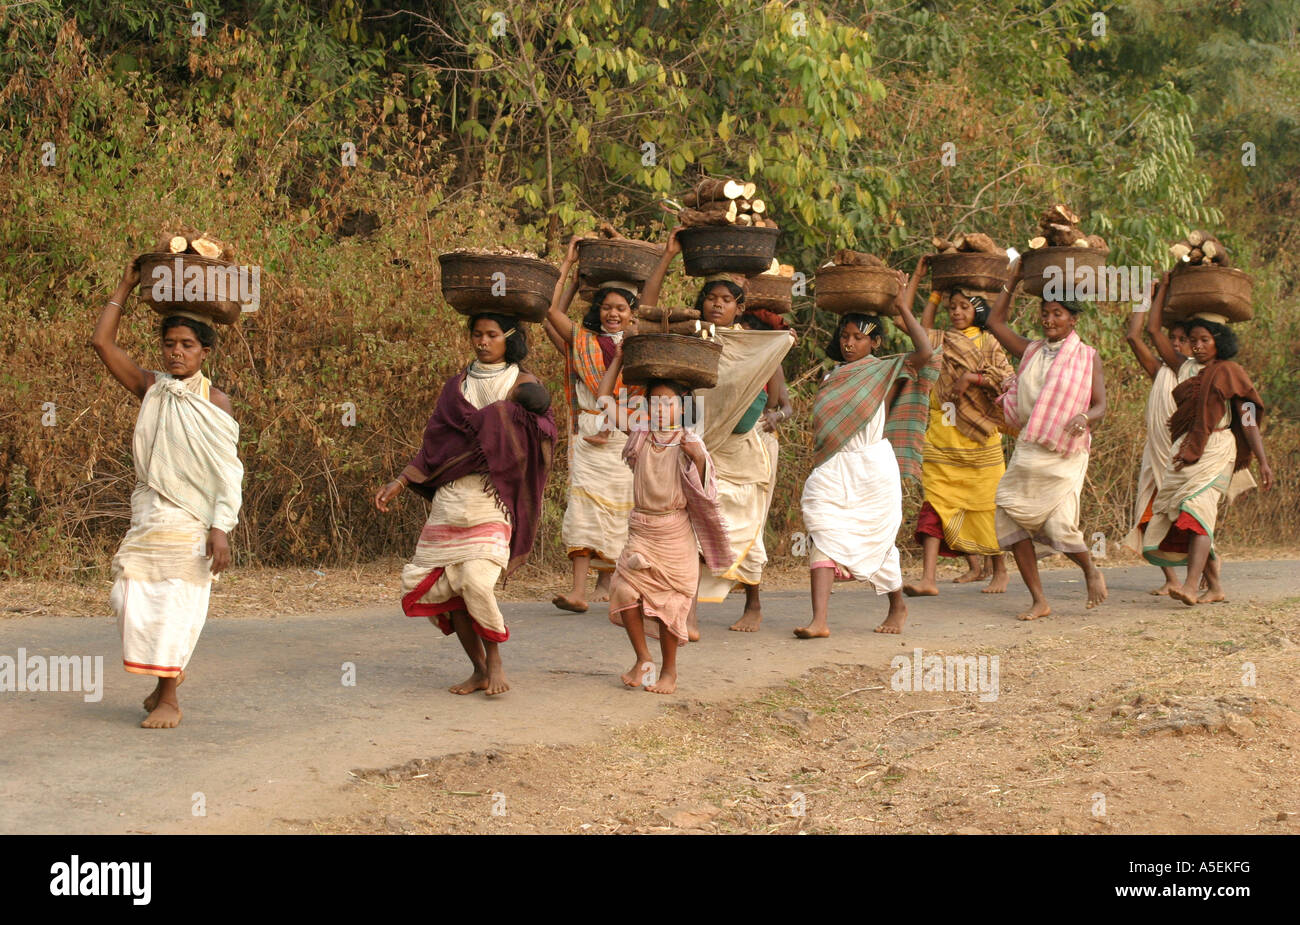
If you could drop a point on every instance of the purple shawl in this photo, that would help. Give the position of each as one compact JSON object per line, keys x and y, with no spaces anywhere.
{"x":510,"y":446}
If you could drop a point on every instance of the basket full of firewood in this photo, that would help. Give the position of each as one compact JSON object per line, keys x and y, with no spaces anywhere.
{"x":191,"y":274}
{"x":968,"y":261}
{"x":1062,"y":253}
{"x":692,"y":361}
{"x":772,"y":290}
{"x":503,"y":283}
{"x":614,"y":257}
{"x":855,"y":282}
{"x":1213,"y":289}
{"x":742,"y":249}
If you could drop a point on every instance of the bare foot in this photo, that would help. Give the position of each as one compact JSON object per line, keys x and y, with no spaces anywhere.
{"x":478,"y":681}
{"x":748,"y":622}
{"x":1182,"y":594}
{"x":814,"y":630}
{"x":1096,"y":588}
{"x":639,"y":674}
{"x":165,"y":715}
{"x":997,"y":584}
{"x":1036,"y":610}
{"x":971,"y":575}
{"x":602,"y":587}
{"x":922,"y":588}
{"x":151,"y":702}
{"x":1164,"y":589}
{"x":564,"y":602}
{"x":1211,"y":597}
{"x":667,"y":684}
{"x":496,"y":680}
{"x":894,"y":622}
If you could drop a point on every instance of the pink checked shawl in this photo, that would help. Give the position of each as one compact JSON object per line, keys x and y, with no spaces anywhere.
{"x":1067,"y":391}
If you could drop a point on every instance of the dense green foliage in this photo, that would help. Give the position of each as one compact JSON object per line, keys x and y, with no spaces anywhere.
{"x":479,"y":122}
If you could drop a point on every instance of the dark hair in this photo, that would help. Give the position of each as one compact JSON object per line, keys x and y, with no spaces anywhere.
{"x":681,"y":390}
{"x":979,"y":305}
{"x":516,"y":336}
{"x":737,"y":292}
{"x":1182,"y":323}
{"x":755,"y":323}
{"x":205,"y":335}
{"x":1225,"y":342}
{"x":533,"y":396}
{"x":591,"y":320}
{"x":1074,"y":307}
{"x":864,"y":322}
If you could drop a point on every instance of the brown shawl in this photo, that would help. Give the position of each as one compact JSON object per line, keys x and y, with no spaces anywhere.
{"x":978,"y":414}
{"x":1201,"y":402}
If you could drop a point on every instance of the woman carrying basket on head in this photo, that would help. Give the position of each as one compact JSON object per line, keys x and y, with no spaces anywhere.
{"x":600,"y":483}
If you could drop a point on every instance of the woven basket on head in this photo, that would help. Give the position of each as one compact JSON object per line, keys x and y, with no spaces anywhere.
{"x":470,"y":284}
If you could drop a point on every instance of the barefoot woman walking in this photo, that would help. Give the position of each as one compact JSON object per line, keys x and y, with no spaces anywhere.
{"x":185,"y":503}
{"x":1055,"y":398}
{"x":483,"y":466}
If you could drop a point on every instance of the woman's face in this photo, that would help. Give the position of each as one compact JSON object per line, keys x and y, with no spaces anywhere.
{"x":615,"y":313}
{"x":489,"y":341}
{"x":855,"y":345}
{"x":1202,"y":345}
{"x":720,"y":306}
{"x":960,"y":312}
{"x":182,"y":354}
{"x":1057,"y":320}
{"x":1178,"y":337}
{"x":665,"y":408}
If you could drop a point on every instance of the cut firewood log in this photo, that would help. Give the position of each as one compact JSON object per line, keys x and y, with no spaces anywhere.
{"x":748,"y":189}
{"x":940,"y":243}
{"x":983,"y":244}
{"x":1097,"y":242}
{"x":1059,"y":235}
{"x":1196,"y":238}
{"x":849,"y":258}
{"x":950,"y":250}
{"x":178,"y":244}
{"x":744,"y":219}
{"x":655,"y":313}
{"x":689,"y":328}
{"x":1036,"y":242}
{"x":206,"y":247}
{"x":1059,"y":215}
{"x":690,"y":200}
{"x":757,"y":206}
{"x":610,"y":231}
{"x":1196,"y":255}
{"x":1180,"y":250}
{"x":717,"y":205}
{"x":786,"y":270}
{"x":959,"y":241}
{"x":692,"y":217}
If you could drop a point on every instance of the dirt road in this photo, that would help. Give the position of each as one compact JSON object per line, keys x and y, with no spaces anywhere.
{"x":271,"y":730}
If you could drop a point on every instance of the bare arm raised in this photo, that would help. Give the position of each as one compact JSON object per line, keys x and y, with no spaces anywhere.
{"x":124,"y":369}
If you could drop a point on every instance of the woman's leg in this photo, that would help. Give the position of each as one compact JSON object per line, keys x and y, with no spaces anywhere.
{"x":496,"y":673}
{"x":643,"y":672}
{"x":928,"y":585}
{"x":463,"y":623}
{"x":667,"y":682}
{"x":1171,"y":581}
{"x":753,"y":615}
{"x":1198,"y":553}
{"x":1214,"y":589}
{"x":820,"y":580}
{"x":998,"y":583}
{"x":897,"y":615}
{"x":974,"y":571}
{"x":1027,"y":563}
{"x":166,"y":710}
{"x":1092,"y":575}
{"x":576,"y":600}
{"x":603,"y":578}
